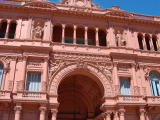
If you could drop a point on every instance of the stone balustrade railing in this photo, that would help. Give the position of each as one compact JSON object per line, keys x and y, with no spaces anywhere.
{"x":31,"y":94}
{"x":5,"y":94}
{"x":152,"y":99}
{"x":131,"y":98}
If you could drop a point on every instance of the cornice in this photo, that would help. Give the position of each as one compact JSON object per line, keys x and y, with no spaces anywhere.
{"x":120,"y":16}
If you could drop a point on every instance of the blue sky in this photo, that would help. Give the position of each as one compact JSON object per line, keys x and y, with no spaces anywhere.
{"x":147,"y":7}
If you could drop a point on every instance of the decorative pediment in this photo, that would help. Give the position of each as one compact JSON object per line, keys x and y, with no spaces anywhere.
{"x":40,"y":5}
{"x":119,"y":14}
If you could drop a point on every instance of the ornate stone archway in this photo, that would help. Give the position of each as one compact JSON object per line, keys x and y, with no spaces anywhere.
{"x":59,"y":69}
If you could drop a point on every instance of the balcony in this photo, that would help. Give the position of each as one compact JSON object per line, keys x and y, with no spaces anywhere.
{"x":31,"y":96}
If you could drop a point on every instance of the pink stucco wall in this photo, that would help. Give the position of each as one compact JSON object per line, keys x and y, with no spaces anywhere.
{"x":115,"y":53}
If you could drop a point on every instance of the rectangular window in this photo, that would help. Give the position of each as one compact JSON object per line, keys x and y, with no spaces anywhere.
{"x":155,"y":87}
{"x":33,"y":82}
{"x":1,"y":76}
{"x":125,"y":86}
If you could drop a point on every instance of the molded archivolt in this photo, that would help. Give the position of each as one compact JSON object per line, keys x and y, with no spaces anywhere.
{"x":103,"y":81}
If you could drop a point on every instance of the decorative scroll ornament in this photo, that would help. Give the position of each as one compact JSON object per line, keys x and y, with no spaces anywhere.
{"x":37,"y":31}
{"x":81,"y":65}
{"x":7,"y":60}
{"x":55,"y":66}
{"x":120,"y":39}
{"x":105,"y":68}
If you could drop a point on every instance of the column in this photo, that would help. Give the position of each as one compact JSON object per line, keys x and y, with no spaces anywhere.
{"x":54,"y":113}
{"x":158,"y":41}
{"x":142,"y":114}
{"x":51,"y":34}
{"x":42,"y":113}
{"x":136,"y":39}
{"x":45,"y":79}
{"x":74,"y":34}
{"x":136,"y":88}
{"x":86,"y":36}
{"x":63,"y":33}
{"x":144,"y":42}
{"x":115,"y":113}
{"x":7,"y":29}
{"x":115,"y":76}
{"x":121,"y":114}
{"x":151,"y":43}
{"x":6,"y":113}
{"x":106,"y":115}
{"x":5,"y":70}
{"x":21,"y":82}
{"x":97,"y":39}
{"x":17,"y":112}
{"x":29,"y":30}
{"x":107,"y":39}
{"x":142,"y":80}
{"x":112,"y":36}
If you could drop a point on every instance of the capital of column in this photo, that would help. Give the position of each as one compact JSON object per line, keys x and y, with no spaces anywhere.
{"x":115,"y":64}
{"x":133,"y":65}
{"x":75,"y":27}
{"x":25,"y":58}
{"x":63,"y":26}
{"x":142,"y":112}
{"x":115,"y":114}
{"x":14,"y":58}
{"x":97,"y":29}
{"x":45,"y":59}
{"x":54,"y":112}
{"x":141,"y":66}
{"x":42,"y":110}
{"x":17,"y":109}
{"x":86,"y":28}
{"x":121,"y":112}
{"x":106,"y":114}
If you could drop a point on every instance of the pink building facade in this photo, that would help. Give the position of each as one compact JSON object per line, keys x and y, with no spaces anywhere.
{"x":73,"y":58}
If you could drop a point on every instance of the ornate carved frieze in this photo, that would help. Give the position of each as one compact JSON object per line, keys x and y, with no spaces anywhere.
{"x":36,"y":52}
{"x":80,"y":56}
{"x":117,"y":90}
{"x":6,"y":60}
{"x":136,"y":90}
{"x":10,"y":84}
{"x":44,"y":86}
{"x":124,"y":69}
{"x":34,"y":64}
{"x":81,"y":65}
{"x":20,"y":85}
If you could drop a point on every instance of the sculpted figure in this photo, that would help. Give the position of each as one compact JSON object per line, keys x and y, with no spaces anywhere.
{"x":120,"y":39}
{"x":37,"y":32}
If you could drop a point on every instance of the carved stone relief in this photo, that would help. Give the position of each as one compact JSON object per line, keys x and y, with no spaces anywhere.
{"x":38,"y":31}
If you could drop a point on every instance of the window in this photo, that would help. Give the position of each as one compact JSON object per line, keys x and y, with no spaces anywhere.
{"x":154,"y":43}
{"x":33,"y":82}
{"x":154,"y":83}
{"x":3,"y":29}
{"x":140,"y":42}
{"x":12,"y":30}
{"x":1,"y":74}
{"x":125,"y":86}
{"x":147,"y":42}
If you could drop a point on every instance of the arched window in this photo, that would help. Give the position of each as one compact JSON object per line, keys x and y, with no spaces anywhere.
{"x":140,"y":42}
{"x":1,"y":73}
{"x":155,"y":83}
{"x":12,"y":30}
{"x":154,"y":43}
{"x":3,"y":29}
{"x":147,"y":42}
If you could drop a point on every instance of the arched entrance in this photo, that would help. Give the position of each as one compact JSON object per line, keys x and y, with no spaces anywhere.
{"x":88,"y":97}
